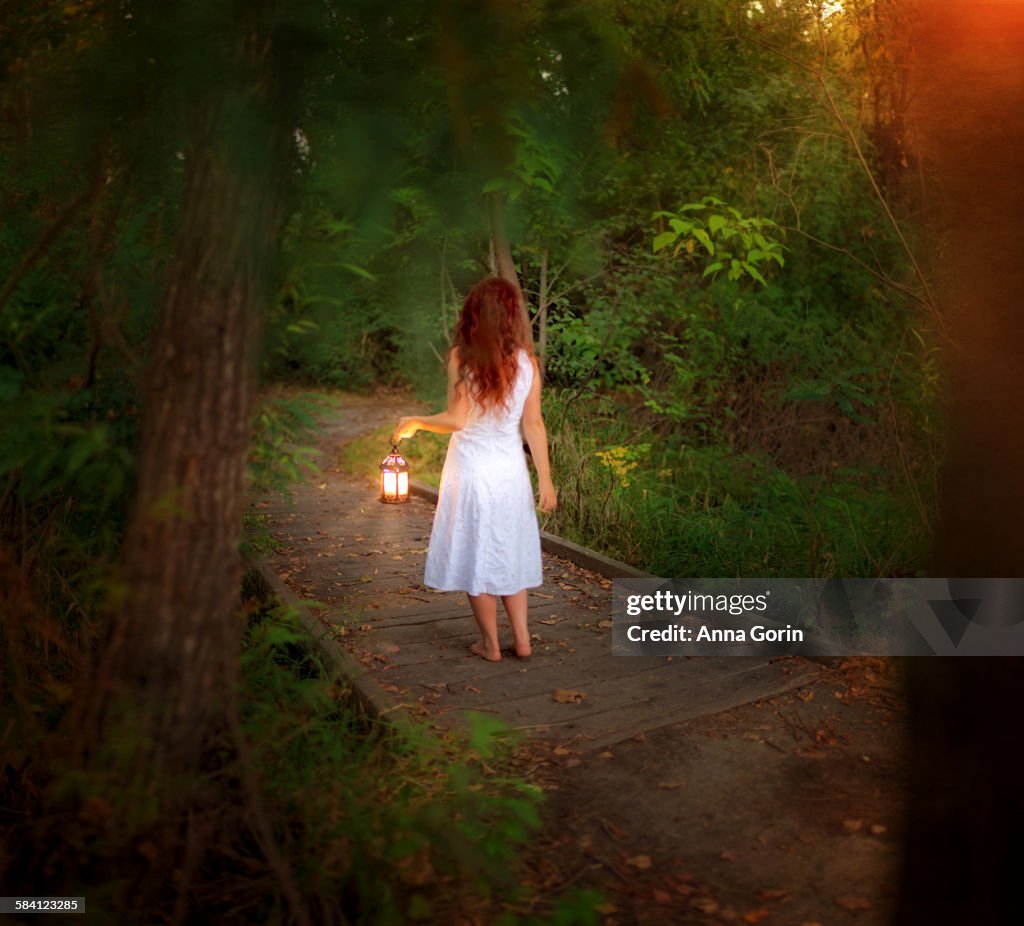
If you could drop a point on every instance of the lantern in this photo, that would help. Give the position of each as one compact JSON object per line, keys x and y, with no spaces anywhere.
{"x":394,"y":478}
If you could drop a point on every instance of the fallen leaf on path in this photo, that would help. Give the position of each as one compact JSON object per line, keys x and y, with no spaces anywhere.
{"x":616,"y":832}
{"x":670,"y":785}
{"x":853,"y":825}
{"x":568,"y":696}
{"x":727,"y":855}
{"x":662,"y":897}
{"x":643,"y":862}
{"x":607,"y":754}
{"x":705,"y":905}
{"x":877,"y":829}
{"x":472,"y":688}
{"x":560,"y":751}
{"x":771,"y":893}
{"x":854,"y":903}
{"x":755,"y":916}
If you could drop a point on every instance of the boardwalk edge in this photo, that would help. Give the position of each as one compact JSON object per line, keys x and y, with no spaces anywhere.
{"x":367,"y":691}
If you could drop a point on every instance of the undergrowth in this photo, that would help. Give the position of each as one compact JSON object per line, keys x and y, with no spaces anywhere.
{"x":673,"y":505}
{"x":390,"y":824}
{"x":425,"y":454}
{"x":371,"y":823}
{"x":676,"y":506}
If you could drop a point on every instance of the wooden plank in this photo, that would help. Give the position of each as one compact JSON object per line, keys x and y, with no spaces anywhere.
{"x":612,"y":717}
{"x":717,"y":693}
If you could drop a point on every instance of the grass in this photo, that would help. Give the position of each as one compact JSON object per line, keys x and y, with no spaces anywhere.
{"x":425,"y":454}
{"x":693,"y":509}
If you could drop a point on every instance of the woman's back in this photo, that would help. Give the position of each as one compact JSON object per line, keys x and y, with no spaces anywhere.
{"x":485,"y":536}
{"x":500,"y":420}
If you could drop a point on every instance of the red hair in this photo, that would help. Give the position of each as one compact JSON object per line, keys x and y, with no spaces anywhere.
{"x":490,"y":330}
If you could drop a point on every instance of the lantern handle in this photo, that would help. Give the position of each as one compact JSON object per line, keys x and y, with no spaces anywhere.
{"x":394,"y":445}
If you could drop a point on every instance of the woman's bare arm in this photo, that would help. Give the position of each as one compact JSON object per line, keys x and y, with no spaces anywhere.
{"x":537,"y":437}
{"x":453,"y":418}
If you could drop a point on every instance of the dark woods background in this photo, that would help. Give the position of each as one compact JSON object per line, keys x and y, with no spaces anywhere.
{"x":770,"y":250}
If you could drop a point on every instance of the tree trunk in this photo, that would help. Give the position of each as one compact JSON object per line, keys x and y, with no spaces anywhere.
{"x":502,"y":251}
{"x":173,"y":656}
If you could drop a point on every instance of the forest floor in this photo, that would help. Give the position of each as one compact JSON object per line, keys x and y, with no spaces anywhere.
{"x":710,"y":790}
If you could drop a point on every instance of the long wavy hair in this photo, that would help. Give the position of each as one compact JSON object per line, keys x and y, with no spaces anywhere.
{"x":491,"y":328}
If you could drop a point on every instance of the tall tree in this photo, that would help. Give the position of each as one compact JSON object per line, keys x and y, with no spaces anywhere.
{"x":170,"y":668}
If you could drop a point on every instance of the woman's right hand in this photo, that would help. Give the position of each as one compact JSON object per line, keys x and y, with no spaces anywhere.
{"x":406,"y":427}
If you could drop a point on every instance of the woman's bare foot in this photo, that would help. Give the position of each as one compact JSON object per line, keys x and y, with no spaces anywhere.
{"x":478,"y":649}
{"x":523,"y":650}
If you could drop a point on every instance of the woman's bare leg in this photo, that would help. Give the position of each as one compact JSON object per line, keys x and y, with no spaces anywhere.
{"x":516,"y":609}
{"x":485,"y":611}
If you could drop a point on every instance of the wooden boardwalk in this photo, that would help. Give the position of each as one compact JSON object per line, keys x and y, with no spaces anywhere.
{"x":335,"y":543}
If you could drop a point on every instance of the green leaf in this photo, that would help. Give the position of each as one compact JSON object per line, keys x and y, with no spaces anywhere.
{"x":703,"y":238}
{"x":664,"y":240}
{"x":713,"y":268}
{"x":359,"y":271}
{"x":755,"y":273}
{"x":716,"y":222}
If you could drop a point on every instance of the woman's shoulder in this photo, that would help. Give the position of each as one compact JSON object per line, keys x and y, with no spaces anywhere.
{"x":526,"y":359}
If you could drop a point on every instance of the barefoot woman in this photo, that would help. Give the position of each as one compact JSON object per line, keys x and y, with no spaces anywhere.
{"x":485,"y":540}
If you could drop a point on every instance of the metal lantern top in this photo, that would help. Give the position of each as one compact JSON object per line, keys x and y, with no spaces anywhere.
{"x":394,"y":478}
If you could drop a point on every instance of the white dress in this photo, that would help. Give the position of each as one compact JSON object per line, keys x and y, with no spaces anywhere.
{"x":485,"y":538}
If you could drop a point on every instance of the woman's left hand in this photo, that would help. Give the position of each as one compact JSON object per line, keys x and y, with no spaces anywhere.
{"x":406,"y":427}
{"x":548,"y":499}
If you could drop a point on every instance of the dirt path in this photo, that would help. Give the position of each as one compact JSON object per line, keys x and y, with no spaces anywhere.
{"x":710,"y":790}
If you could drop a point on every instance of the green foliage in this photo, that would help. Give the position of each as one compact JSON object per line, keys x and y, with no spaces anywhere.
{"x":425,"y":454}
{"x":535,"y":164}
{"x":276,"y":459}
{"x":739,"y":245}
{"x":393,"y":828}
{"x":706,"y":510}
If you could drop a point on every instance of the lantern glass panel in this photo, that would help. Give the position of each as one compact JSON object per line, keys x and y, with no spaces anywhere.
{"x":394,"y":478}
